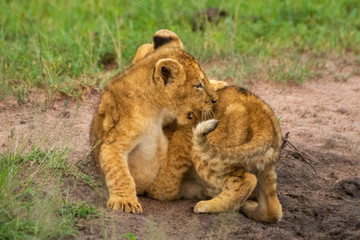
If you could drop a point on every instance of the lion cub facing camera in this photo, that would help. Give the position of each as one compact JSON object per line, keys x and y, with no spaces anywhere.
{"x":126,"y":132}
{"x":233,"y":156}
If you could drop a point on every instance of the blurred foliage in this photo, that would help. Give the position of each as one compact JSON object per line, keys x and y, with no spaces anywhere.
{"x":56,"y":45}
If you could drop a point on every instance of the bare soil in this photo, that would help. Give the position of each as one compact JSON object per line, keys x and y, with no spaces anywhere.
{"x":322,"y":117}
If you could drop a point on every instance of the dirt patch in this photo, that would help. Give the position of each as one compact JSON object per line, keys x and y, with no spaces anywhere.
{"x":322,"y":117}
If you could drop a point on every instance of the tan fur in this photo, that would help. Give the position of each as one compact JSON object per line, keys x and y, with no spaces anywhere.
{"x":234,"y":159}
{"x":245,"y":144}
{"x":231,"y":159}
{"x":127,"y":127}
{"x":172,"y":38}
{"x":217,"y":84}
{"x":142,"y":51}
{"x":175,"y":164}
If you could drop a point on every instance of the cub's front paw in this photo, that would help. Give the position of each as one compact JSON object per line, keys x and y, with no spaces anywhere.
{"x":124,"y":204}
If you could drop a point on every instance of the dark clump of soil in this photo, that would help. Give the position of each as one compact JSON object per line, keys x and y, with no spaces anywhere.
{"x":108,"y":61}
{"x":209,"y":16}
{"x":350,"y":187}
{"x":323,"y":120}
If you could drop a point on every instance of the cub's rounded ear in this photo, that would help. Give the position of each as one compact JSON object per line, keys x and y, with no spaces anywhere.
{"x":142,"y":51}
{"x":218,"y":84}
{"x":168,"y":38}
{"x":168,"y":71}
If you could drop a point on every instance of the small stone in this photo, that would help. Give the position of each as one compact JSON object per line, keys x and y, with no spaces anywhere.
{"x":351,"y":187}
{"x":342,"y":110}
{"x":357,"y":226}
{"x":66,"y":114}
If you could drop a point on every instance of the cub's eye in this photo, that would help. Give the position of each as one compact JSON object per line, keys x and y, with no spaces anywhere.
{"x":189,"y":115}
{"x":199,"y":85}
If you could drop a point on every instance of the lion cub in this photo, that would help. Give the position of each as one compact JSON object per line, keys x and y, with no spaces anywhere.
{"x":227,"y":153}
{"x":126,"y":132}
{"x":237,"y":153}
{"x":232,"y":155}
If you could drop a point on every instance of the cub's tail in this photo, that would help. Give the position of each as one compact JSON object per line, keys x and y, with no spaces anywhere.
{"x":203,"y":129}
{"x":247,"y":153}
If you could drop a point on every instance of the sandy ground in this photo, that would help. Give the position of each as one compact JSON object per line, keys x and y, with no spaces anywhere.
{"x":323,"y":119}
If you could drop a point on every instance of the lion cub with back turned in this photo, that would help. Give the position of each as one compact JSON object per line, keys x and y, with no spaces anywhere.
{"x":237,"y":153}
{"x":233,"y":156}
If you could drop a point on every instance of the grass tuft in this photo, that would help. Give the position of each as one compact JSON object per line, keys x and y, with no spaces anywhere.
{"x":290,"y":70}
{"x":75,"y":211}
{"x":31,"y":205}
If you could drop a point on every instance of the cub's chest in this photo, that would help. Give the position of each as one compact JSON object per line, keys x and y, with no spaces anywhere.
{"x":145,"y":158}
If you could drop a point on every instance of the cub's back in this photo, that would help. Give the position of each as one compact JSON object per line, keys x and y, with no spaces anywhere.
{"x":242,"y":115}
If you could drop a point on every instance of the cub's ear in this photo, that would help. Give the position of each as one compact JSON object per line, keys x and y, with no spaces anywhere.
{"x":168,"y":71}
{"x":142,"y":51}
{"x":161,"y":38}
{"x":168,"y":38}
{"x":217,"y":84}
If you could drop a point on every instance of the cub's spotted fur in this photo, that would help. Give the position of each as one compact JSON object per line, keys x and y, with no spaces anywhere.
{"x":233,"y":156}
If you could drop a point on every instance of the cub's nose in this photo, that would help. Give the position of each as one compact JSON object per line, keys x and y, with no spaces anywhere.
{"x":213,"y":98}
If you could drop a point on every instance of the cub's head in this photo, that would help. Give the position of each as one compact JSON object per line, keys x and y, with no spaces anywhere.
{"x":197,"y":94}
{"x":182,"y":84}
{"x":178,"y":76}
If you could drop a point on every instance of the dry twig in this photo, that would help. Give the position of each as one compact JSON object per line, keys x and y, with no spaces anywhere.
{"x":296,"y":154}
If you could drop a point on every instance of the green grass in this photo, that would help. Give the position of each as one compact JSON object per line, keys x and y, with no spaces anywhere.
{"x":292,"y":69}
{"x":31,"y":206}
{"x":62,"y":46}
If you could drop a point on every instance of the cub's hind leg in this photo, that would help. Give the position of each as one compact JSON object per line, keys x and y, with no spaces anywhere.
{"x":267,"y":208}
{"x":236,"y":189}
{"x":167,"y":184}
{"x":173,"y":167}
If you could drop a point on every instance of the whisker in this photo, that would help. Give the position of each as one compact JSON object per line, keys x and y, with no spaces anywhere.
{"x":207,"y":114}
{"x":212,"y":113}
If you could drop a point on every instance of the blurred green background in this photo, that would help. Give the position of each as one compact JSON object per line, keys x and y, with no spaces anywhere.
{"x":67,"y":45}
